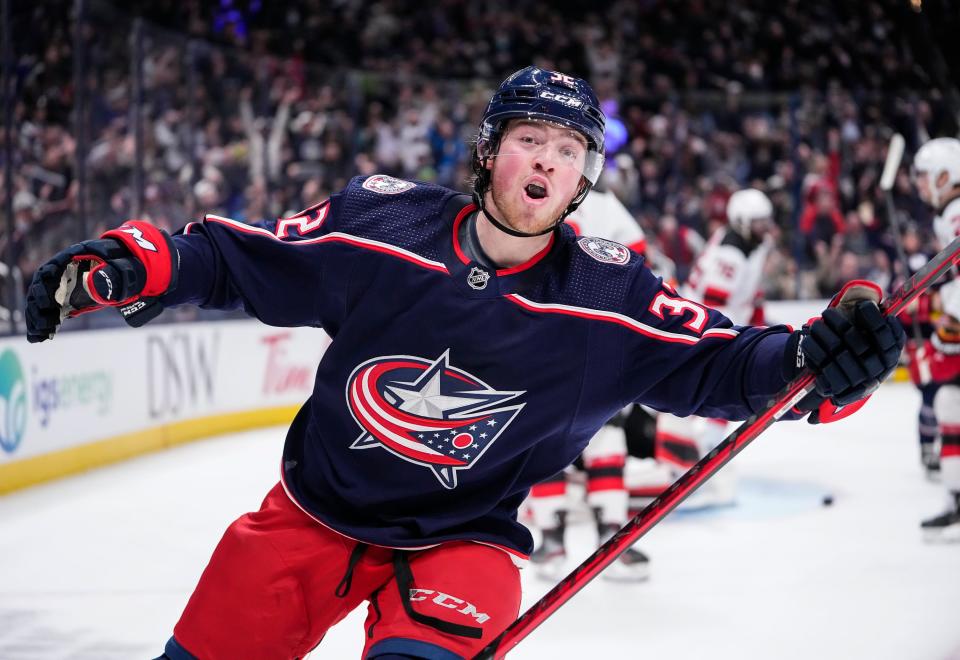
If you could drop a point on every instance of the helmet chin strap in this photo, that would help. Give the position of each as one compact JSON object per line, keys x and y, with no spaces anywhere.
{"x":478,"y":199}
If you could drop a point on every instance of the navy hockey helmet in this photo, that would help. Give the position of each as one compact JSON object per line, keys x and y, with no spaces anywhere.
{"x":538,"y":94}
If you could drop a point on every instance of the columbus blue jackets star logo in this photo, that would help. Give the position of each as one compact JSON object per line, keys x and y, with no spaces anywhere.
{"x":427,"y":412}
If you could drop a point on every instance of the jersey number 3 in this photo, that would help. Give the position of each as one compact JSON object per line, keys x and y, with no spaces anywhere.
{"x":677,"y":307}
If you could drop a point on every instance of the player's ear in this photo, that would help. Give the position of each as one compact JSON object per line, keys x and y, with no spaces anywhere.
{"x":942,"y":179}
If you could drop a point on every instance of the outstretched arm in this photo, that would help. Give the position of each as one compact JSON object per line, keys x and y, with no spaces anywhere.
{"x":226,"y":264}
{"x":694,"y":361}
{"x":129,"y":268}
{"x":218,"y":263}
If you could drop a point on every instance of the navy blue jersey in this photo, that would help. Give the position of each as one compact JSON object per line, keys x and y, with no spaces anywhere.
{"x":450,"y":388}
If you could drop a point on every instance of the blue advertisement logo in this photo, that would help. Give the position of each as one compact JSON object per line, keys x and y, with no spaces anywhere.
{"x":13,"y":402}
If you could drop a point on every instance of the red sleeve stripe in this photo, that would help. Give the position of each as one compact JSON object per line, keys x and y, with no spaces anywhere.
{"x":337,"y":237}
{"x":385,"y":248}
{"x":620,"y":319}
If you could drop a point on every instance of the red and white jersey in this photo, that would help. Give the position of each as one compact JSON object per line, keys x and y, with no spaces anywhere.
{"x":939,"y":361}
{"x":603,"y":215}
{"x":727,"y":278}
{"x":947,"y":224}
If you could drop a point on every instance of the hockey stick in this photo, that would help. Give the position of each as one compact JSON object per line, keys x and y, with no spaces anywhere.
{"x":890,"y":167}
{"x":732,"y":445}
{"x":887,"y":178}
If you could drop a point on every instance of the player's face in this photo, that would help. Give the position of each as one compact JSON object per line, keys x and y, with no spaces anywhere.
{"x":536,"y":174}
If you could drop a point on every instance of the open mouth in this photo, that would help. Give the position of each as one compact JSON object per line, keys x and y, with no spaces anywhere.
{"x":535,"y":191}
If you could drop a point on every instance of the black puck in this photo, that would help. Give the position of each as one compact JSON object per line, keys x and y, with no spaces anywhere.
{"x":827,"y":500}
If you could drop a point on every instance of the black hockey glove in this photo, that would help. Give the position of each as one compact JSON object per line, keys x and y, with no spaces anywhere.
{"x":128,"y":268}
{"x":851,"y":348}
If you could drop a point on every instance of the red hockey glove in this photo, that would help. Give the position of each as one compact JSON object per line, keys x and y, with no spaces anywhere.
{"x":128,"y":268}
{"x":851,"y":348}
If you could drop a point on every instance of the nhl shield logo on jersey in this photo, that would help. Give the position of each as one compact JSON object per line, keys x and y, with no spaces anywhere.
{"x":427,"y":412}
{"x":478,"y":278}
{"x":603,"y":250}
{"x":387,"y":185}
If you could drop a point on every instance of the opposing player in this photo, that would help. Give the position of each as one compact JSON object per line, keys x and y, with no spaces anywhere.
{"x":936,"y":173}
{"x":477,"y":346}
{"x":918,"y":319}
{"x":729,"y":272}
{"x":940,"y":359}
{"x":727,"y":276}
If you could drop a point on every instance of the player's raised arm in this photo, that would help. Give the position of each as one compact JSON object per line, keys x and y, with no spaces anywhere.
{"x":693,"y":360}
{"x":274,"y":274}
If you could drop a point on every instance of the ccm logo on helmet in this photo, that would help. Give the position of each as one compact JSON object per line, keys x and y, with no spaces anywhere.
{"x":450,"y":602}
{"x":568,"y":101}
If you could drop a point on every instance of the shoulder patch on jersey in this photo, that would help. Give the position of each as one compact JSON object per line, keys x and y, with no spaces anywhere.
{"x":387,"y":185}
{"x":603,"y":250}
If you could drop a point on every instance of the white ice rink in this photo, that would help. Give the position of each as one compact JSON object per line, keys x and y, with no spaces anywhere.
{"x":98,"y":567}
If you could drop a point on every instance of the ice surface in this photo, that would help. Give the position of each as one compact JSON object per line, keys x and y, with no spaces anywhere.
{"x":99,"y":566}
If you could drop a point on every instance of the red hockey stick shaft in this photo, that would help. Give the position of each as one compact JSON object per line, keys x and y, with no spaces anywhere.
{"x":732,"y":445}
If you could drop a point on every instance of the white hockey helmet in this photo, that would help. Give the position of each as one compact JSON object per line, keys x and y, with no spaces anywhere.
{"x":935,"y":157}
{"x":747,"y":206}
{"x":950,"y":298}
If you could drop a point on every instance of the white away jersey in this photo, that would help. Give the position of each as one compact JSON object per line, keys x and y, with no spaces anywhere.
{"x":602,"y":214}
{"x":726,"y":278}
{"x":947,"y":224}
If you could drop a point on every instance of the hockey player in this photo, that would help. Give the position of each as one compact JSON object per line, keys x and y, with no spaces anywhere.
{"x":602,"y":215}
{"x":918,"y":318}
{"x":936,"y":173}
{"x":729,"y":272}
{"x":940,"y":359}
{"x":477,"y":346}
{"x":726,"y":276}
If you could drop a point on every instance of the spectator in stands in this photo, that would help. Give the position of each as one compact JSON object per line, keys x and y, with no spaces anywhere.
{"x":712,"y":97}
